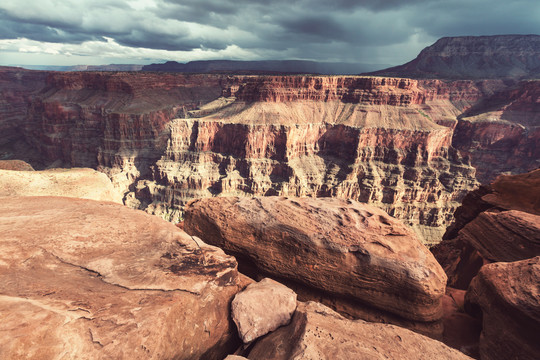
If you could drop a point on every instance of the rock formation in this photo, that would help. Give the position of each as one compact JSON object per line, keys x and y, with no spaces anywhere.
{"x":262,"y":67}
{"x":507,"y":297}
{"x":77,"y":182}
{"x":474,"y":57}
{"x":499,"y":222}
{"x":341,"y":252}
{"x":18,"y":165}
{"x":165,"y":139}
{"x":501,"y":133}
{"x":261,"y":308}
{"x":93,"y":280}
{"x":317,"y":332}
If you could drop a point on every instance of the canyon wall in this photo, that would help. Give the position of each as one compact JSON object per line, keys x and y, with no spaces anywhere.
{"x":165,"y":139}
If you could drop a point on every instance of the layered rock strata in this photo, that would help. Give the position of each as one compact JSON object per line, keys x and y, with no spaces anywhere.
{"x":165,"y":139}
{"x":501,"y":133}
{"x":507,"y":298}
{"x":344,"y":253}
{"x":499,"y":222}
{"x":317,"y":332}
{"x":93,"y":280}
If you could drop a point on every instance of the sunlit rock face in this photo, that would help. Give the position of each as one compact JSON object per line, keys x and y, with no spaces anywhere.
{"x":164,"y":139}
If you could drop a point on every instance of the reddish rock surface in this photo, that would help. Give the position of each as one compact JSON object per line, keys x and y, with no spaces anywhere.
{"x":317,"y":332}
{"x":507,"y":297}
{"x":499,"y":222}
{"x":501,"y":133}
{"x":17,"y":165}
{"x":461,"y":330}
{"x":261,"y":308}
{"x":352,"y":255}
{"x":94,"y":280}
{"x":165,"y":139}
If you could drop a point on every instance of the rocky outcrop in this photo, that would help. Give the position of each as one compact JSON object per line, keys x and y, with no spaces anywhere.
{"x":317,"y":332}
{"x":507,"y":297}
{"x":17,"y":165}
{"x":499,"y":222}
{"x":165,"y":139}
{"x":77,"y":182}
{"x":474,"y":57}
{"x":344,"y":253}
{"x":261,"y":308}
{"x":501,"y":133}
{"x":93,"y":280}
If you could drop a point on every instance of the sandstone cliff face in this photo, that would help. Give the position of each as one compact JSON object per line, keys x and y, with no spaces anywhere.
{"x":501,"y":133}
{"x":17,"y":87}
{"x":165,"y":139}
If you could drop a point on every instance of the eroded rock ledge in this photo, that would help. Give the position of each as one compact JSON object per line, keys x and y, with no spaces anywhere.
{"x":94,"y":280}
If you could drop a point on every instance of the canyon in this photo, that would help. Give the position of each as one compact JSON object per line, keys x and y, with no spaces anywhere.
{"x":302,"y":205}
{"x":413,"y":148}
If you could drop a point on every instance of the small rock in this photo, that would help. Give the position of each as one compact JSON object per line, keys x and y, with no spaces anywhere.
{"x":261,"y":308}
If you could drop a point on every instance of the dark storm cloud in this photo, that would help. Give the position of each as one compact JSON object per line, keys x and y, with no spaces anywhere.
{"x":48,"y":32}
{"x":346,"y":30}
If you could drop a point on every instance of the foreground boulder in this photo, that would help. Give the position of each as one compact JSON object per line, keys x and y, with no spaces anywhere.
{"x":499,"y":222}
{"x":317,"y":332}
{"x":341,"y":252}
{"x":78,"y":182}
{"x":82,"y":279}
{"x":262,"y":307}
{"x":507,"y":296}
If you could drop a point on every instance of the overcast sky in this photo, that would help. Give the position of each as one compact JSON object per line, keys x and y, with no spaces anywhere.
{"x":70,"y":32}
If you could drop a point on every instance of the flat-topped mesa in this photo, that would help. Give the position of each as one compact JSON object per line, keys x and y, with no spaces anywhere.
{"x":366,"y":90}
{"x":474,"y":57}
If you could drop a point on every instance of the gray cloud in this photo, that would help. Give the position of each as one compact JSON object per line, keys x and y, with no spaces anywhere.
{"x":339,"y":30}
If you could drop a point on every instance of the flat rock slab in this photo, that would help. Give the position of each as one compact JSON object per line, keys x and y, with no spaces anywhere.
{"x":508,"y":295}
{"x":337,"y":247}
{"x":77,"y":182}
{"x":262,"y":307}
{"x":95,"y":280}
{"x":317,"y":332}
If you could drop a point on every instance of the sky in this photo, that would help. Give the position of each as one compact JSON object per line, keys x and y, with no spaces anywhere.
{"x":390,"y":32}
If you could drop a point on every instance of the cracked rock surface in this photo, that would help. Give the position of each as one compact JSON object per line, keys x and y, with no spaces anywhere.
{"x":351,"y":256}
{"x":91,"y":280}
{"x":317,"y":332}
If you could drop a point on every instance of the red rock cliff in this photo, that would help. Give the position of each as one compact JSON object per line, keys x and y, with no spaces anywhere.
{"x":167,"y":138}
